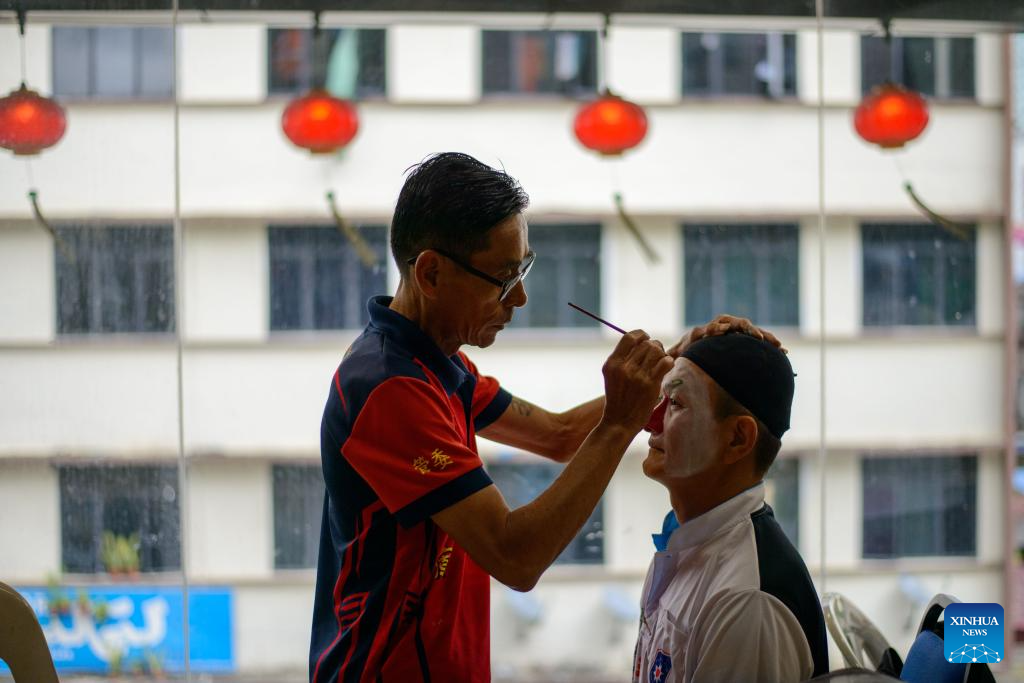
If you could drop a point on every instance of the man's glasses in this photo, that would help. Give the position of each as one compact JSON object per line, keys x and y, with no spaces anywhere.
{"x":505,"y":285}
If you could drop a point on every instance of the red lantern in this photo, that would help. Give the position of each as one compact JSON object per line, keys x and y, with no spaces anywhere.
{"x":30,"y":122}
{"x":610,"y":125}
{"x":320,"y":122}
{"x":891,"y":116}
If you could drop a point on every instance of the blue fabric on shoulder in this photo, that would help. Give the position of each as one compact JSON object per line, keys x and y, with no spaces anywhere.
{"x":667,"y":527}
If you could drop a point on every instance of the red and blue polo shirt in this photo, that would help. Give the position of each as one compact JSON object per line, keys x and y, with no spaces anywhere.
{"x":396,"y":598}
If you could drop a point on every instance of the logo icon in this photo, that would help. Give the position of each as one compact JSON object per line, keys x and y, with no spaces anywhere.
{"x":441,"y":563}
{"x":660,"y":668}
{"x":973,"y":632}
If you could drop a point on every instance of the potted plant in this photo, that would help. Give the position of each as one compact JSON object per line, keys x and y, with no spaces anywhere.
{"x":57,"y":599}
{"x":154,"y":664}
{"x":100,"y":611}
{"x":120,"y":554}
{"x":115,"y":661}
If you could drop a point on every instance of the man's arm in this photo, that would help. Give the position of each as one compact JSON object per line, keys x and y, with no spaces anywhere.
{"x":554,"y":435}
{"x":559,"y":435}
{"x":516,"y":546}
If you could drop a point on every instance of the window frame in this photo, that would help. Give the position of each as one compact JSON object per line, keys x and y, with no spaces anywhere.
{"x":135,"y":97}
{"x":718,"y":252}
{"x":575,"y":94}
{"x":902,"y":326}
{"x":309,"y":254}
{"x":98,"y":305}
{"x":787,"y":44}
{"x":930,"y":457}
{"x":309,"y":470}
{"x":95,"y":468}
{"x":941,"y":73}
{"x":584,"y":325}
{"x":280,"y":94}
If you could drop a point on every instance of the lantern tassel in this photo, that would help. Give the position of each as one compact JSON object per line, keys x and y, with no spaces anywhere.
{"x":648,"y":251}
{"x":363,"y":249}
{"x":33,"y":198}
{"x":958,"y":230}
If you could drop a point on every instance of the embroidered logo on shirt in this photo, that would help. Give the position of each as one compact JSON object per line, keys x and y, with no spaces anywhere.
{"x":441,"y":563}
{"x":440,"y":460}
{"x":660,"y":668}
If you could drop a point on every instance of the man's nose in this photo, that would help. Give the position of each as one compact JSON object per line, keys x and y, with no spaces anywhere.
{"x":517,"y":295}
{"x":656,"y":423}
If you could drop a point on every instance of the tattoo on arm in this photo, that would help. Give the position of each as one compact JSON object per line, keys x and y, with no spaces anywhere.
{"x":522,"y":407}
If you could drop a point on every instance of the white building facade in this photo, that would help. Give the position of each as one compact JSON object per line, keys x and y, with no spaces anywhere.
{"x":913,"y":497}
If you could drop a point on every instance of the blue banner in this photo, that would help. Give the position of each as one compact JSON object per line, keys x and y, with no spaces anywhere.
{"x":134,"y":628}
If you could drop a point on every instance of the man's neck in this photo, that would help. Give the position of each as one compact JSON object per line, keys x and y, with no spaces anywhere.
{"x":693,"y":496}
{"x":406,"y":304}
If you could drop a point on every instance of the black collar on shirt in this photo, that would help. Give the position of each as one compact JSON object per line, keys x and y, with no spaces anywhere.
{"x":449,"y":369}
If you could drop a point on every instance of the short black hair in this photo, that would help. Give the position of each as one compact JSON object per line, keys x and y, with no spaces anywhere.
{"x":450,"y":201}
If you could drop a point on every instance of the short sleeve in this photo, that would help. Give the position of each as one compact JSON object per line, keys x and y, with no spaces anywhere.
{"x":409,"y":448}
{"x":757,"y":624}
{"x":489,"y":399}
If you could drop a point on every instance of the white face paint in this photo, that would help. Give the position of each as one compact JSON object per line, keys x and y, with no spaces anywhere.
{"x":689,"y":437}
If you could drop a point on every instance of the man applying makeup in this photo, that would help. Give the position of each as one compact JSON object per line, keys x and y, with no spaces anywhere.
{"x":727,"y":596}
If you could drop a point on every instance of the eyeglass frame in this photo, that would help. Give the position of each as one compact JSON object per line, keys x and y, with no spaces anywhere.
{"x":506,"y":285}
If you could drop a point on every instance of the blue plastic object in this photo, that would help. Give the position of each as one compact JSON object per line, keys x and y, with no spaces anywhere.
{"x":926,"y":662}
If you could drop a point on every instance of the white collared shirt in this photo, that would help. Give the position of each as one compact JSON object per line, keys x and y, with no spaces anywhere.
{"x":707,"y":615}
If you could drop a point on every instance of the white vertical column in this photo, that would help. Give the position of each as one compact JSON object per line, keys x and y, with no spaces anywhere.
{"x":226,"y":281}
{"x":644,"y":64}
{"x":990,"y":291}
{"x":37,"y":58}
{"x":223,"y":64}
{"x":27,"y":283}
{"x":843,"y":271}
{"x":988,"y":69}
{"x":841,"y":66}
{"x":433,"y":63}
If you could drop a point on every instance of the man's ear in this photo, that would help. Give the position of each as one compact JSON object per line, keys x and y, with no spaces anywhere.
{"x":742,"y":438}
{"x":426,"y":272}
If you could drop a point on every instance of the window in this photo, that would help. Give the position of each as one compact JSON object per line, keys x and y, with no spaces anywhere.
{"x":782,"y":492}
{"x":136,"y":504}
{"x":113,"y":62}
{"x":739,"y":64}
{"x":746,"y":270}
{"x":936,"y":67}
{"x":920,"y":505}
{"x":539,"y":62}
{"x":520,"y":483}
{"x":317,"y":281}
{"x":115,"y":279}
{"x":353,"y":59}
{"x":918,"y":274}
{"x":298,"y":508}
{"x":568,"y":268}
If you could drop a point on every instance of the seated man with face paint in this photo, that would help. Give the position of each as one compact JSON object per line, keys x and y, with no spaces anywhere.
{"x":727,"y":597}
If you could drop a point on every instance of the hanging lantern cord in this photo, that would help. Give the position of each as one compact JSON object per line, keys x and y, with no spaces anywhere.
{"x":363,"y":250}
{"x":959,"y":230}
{"x":317,"y":48}
{"x":65,"y":250}
{"x":602,"y":78}
{"x":627,"y":220}
{"x":22,"y":15}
